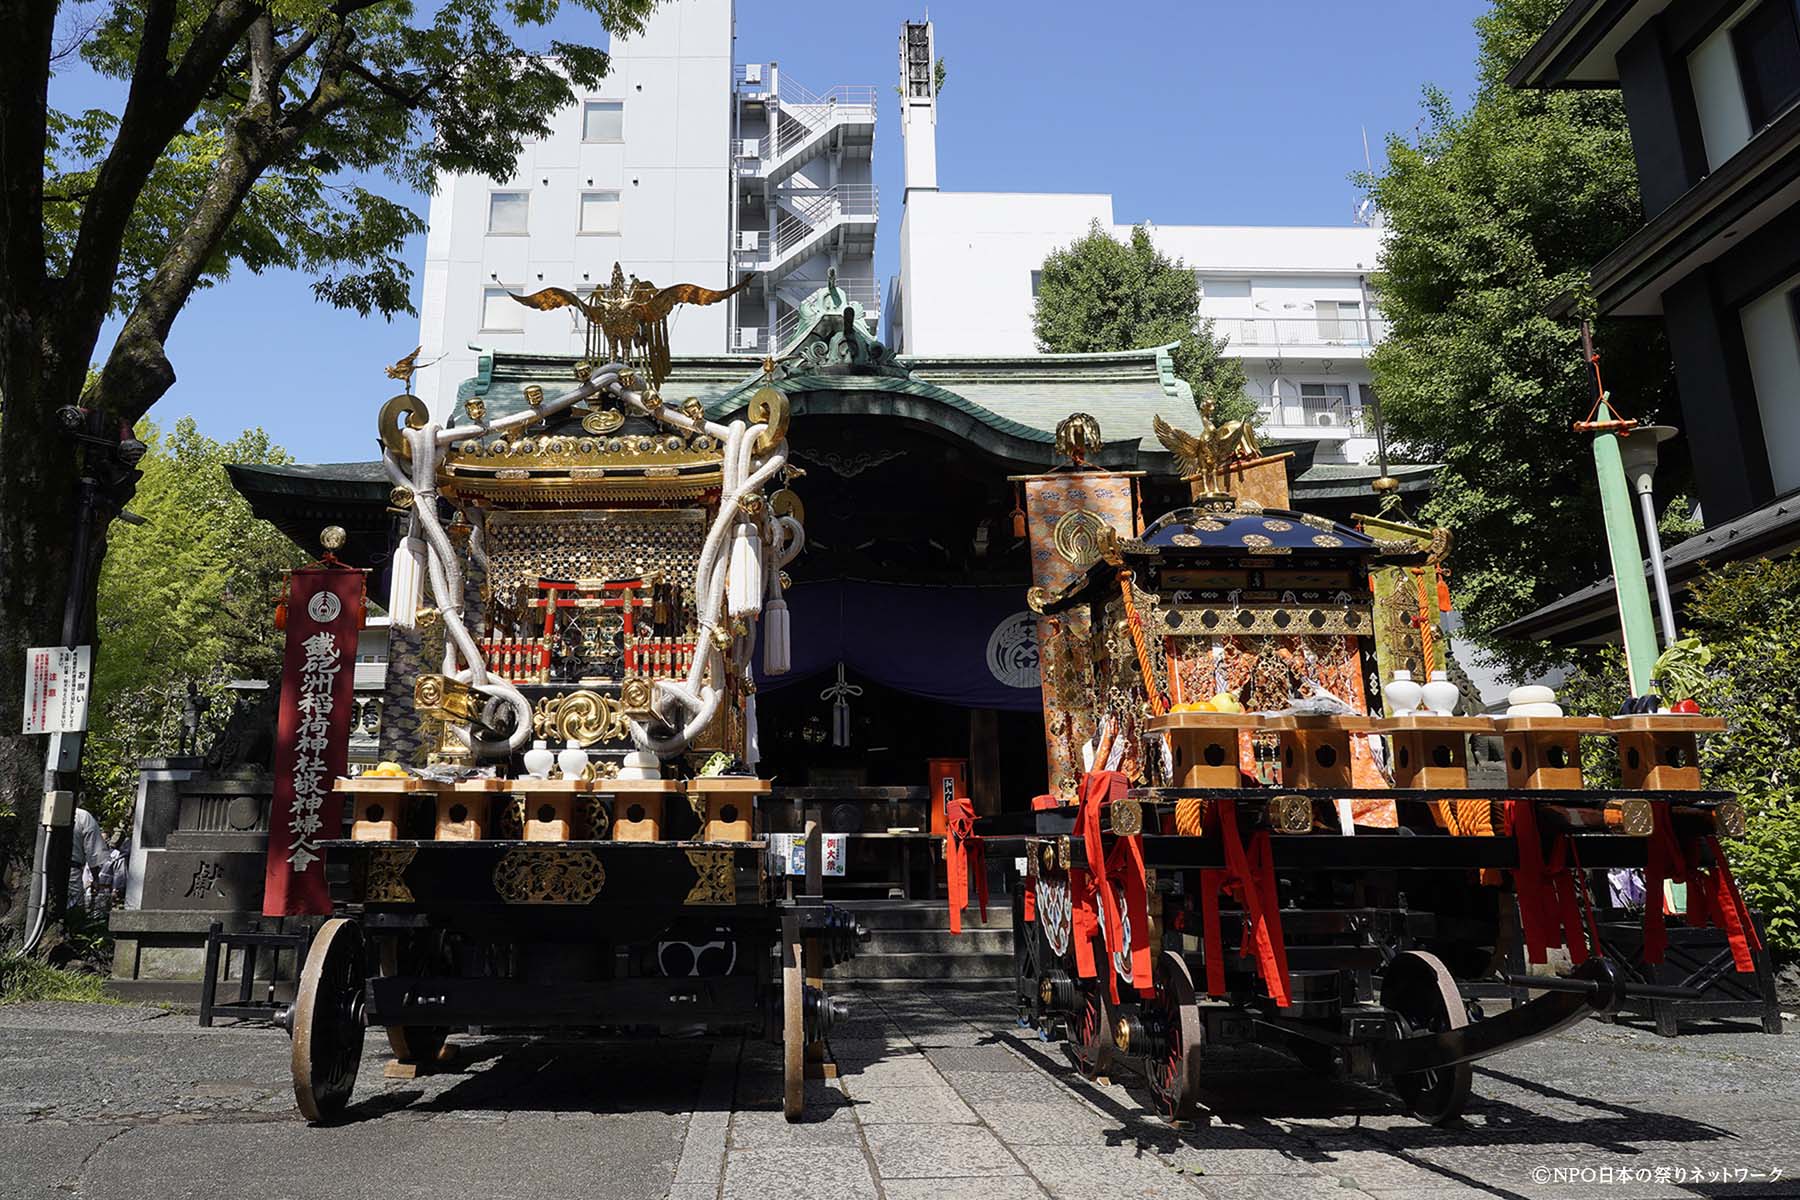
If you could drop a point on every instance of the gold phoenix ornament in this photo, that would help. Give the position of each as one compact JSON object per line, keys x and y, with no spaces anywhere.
{"x":1202,"y":459}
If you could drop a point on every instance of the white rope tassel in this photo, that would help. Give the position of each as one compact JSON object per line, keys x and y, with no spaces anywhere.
{"x":405,"y":582}
{"x":746,"y":571}
{"x":752,"y":742}
{"x":778,"y":653}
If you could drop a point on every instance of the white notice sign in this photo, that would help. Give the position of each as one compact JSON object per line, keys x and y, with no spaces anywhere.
{"x":57,"y":679}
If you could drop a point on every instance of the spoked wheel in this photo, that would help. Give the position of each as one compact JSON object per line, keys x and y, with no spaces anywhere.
{"x":327,"y":1025}
{"x":420,"y":955}
{"x":1418,"y":987}
{"x":793,"y":1021}
{"x":1172,"y":1024}
{"x":1092,"y":1040}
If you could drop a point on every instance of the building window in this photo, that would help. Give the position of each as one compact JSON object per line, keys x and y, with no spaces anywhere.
{"x":509,"y":212}
{"x":1326,"y":404}
{"x":1339,"y":320}
{"x":1767,"y":46}
{"x":1037,"y":278}
{"x":500,"y":313}
{"x":603,"y":121}
{"x":599,"y":212}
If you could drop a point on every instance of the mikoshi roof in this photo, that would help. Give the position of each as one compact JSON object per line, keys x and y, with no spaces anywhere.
{"x":1249,"y":532}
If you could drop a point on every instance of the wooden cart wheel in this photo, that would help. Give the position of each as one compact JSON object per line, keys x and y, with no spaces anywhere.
{"x":1092,"y":1040}
{"x":1417,"y":986}
{"x":413,"y":1043}
{"x":1173,"y":1065}
{"x":327,"y":1023}
{"x":793,"y":1022}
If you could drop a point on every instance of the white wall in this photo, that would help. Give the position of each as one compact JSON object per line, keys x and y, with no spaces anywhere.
{"x":1719,"y":93}
{"x":1774,"y":347}
{"x":671,"y":173}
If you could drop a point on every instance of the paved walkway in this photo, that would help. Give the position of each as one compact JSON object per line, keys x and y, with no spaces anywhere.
{"x":941,"y":1096}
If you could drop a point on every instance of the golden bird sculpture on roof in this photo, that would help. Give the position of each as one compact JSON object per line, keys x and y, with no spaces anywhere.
{"x":628,"y":319}
{"x":1202,"y":457}
{"x":406,"y":367}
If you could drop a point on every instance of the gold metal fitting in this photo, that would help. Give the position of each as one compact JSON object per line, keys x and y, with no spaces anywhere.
{"x":534,"y":395}
{"x":1387,"y":483}
{"x":1122,"y":1035}
{"x":426,"y":618}
{"x":442,"y":697}
{"x":1730,"y":819}
{"x":584,"y":370}
{"x":1062,"y":852}
{"x":1290,"y":814}
{"x":332,"y":537}
{"x":476,"y":408}
{"x":787,"y":581}
{"x":1127,"y":817}
{"x":400,"y":497}
{"x":1046,"y":992}
{"x":1049,"y":855}
{"x":1633,"y":818}
{"x":751,"y":505}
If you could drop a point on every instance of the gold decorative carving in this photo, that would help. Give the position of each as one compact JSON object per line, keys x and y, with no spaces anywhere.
{"x":1730,"y":818}
{"x":416,"y":414}
{"x":1127,"y":817}
{"x":716,"y":883}
{"x":386,"y":882}
{"x":1076,"y":537}
{"x":1078,"y":438}
{"x":604,"y":421}
{"x":1633,"y":817}
{"x":444,"y":698}
{"x":768,"y":406}
{"x":1290,"y":814}
{"x":1062,"y":852}
{"x":533,"y":875}
{"x":635,"y":695}
{"x":1259,"y":619}
{"x":582,"y":717}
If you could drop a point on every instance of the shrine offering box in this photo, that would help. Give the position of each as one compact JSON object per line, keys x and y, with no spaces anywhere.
{"x":726,"y":806}
{"x":1205,"y":746}
{"x":637,"y":806}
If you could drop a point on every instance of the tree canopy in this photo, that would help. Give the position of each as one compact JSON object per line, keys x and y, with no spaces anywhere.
{"x":186,"y":597}
{"x":1494,"y":219}
{"x":1099,"y":294}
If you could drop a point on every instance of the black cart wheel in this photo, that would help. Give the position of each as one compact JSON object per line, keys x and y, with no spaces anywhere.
{"x":415,"y":955}
{"x":1091,"y":1040}
{"x":327,"y":1023}
{"x":1172,"y":1018}
{"x":1418,"y":987}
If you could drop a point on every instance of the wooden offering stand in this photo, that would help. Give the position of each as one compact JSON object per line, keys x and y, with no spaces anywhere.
{"x":464,"y":812}
{"x":637,"y":806}
{"x":1431,"y":751}
{"x":1314,"y":751}
{"x":726,"y":805}
{"x":549,"y":806}
{"x":1660,"y":751}
{"x":1545,"y":752}
{"x":376,"y":803}
{"x":1205,"y":746}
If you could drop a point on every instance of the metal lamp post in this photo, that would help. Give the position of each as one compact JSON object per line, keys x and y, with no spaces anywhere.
{"x":1638,"y":454}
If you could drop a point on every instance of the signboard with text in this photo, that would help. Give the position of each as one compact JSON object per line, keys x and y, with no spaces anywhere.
{"x":57,"y":680}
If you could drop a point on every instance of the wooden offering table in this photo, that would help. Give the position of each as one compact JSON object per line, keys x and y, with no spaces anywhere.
{"x":1544,"y":753}
{"x":1314,"y":751}
{"x":546,"y":807}
{"x":1431,"y":751}
{"x":637,"y":806}
{"x":1205,"y":746}
{"x":1660,"y":751}
{"x":726,"y":806}
{"x":465,"y":811}
{"x":378,"y":803}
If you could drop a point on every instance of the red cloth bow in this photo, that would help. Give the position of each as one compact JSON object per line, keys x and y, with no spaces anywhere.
{"x":962,"y":851}
{"x":1713,"y":895}
{"x":1249,"y":878}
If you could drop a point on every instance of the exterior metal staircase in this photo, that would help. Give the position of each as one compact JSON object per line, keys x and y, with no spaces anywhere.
{"x":804,"y":125}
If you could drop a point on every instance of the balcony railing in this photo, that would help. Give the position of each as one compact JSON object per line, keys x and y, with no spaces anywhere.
{"x":1312,"y":413}
{"x":1300,"y":331}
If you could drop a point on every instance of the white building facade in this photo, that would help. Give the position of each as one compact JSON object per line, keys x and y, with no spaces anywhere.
{"x":681,"y":167}
{"x":1291,"y":302}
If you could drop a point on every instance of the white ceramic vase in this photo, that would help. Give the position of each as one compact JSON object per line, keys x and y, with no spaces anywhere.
{"x":1440,"y":695}
{"x":1403,"y":693}
{"x":539,"y":759}
{"x":641,"y":764}
{"x":573,"y":760}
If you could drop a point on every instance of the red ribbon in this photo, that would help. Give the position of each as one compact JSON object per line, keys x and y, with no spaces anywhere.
{"x":962,"y":850}
{"x":1713,"y":897}
{"x":1546,"y":888}
{"x":1249,"y":877}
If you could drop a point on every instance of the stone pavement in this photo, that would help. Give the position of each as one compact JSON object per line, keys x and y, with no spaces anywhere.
{"x":940,"y":1096}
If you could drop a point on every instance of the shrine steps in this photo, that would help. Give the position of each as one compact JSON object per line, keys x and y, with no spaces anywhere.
{"x":910,"y":942}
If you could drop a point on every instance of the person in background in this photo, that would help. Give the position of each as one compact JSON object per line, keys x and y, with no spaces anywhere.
{"x":88,"y":853}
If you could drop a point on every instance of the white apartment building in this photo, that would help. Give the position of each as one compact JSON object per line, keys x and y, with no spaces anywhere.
{"x":1291,"y":302}
{"x":680,"y":167}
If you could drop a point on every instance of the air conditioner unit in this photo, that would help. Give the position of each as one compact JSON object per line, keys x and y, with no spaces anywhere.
{"x":749,"y":239}
{"x":749,"y":148}
{"x":1325,"y":418}
{"x":752,"y":72}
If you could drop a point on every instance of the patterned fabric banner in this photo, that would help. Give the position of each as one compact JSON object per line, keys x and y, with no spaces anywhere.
{"x":312,"y":735}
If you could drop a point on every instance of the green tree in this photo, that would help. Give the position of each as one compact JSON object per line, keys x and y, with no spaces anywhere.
{"x":1099,"y":294}
{"x":186,"y":597}
{"x":248,"y":133}
{"x":1493,"y":218}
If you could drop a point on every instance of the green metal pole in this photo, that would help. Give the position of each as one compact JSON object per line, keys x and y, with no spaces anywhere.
{"x":1635,"y":620}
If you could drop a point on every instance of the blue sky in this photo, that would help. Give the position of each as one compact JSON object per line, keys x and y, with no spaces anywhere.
{"x":1195,"y":112}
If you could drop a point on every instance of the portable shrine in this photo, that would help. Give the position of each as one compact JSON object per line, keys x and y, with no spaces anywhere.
{"x":1259,"y":831}
{"x":591,"y":574}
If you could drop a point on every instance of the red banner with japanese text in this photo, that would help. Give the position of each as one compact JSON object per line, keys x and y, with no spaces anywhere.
{"x":312,"y":735}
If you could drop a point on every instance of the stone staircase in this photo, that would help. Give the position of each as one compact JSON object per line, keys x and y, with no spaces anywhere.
{"x":910,"y":945}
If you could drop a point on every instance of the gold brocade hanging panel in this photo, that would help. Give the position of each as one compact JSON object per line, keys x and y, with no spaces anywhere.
{"x":1406,"y":603}
{"x":1067,"y":513}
